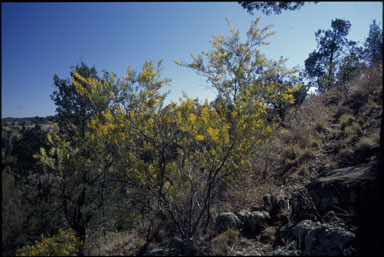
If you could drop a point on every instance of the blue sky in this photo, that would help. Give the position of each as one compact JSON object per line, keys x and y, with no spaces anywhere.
{"x":43,"y":39}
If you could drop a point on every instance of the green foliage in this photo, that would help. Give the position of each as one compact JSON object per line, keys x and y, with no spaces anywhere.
{"x":351,"y":65}
{"x":6,"y":147}
{"x":12,"y":214}
{"x":322,"y":64}
{"x":24,"y":148}
{"x":28,"y":208}
{"x":64,"y":243}
{"x":267,"y":7}
{"x":374,"y":44}
{"x":81,"y":189}
{"x":73,"y":109}
{"x":7,"y":160}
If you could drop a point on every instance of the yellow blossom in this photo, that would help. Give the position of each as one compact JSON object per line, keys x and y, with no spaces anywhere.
{"x":199,"y":137}
{"x":213,"y":133}
{"x":205,"y":115}
{"x":191,"y":117}
{"x":42,"y":151}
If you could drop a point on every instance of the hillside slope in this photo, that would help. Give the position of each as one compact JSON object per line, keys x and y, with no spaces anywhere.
{"x":331,"y":141}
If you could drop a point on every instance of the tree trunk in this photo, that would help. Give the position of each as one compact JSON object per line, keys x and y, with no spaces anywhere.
{"x":81,"y":235}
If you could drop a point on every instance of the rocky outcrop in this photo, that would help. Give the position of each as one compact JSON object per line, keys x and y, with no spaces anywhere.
{"x":175,"y":247}
{"x":316,"y":238}
{"x":226,"y":221}
{"x":329,"y":212}
{"x":290,"y":249}
{"x":322,"y":218}
{"x":324,"y":215}
{"x":176,"y":242}
{"x":158,"y":251}
{"x":276,"y":207}
{"x":302,"y":206}
{"x":345,"y":190}
{"x":253,"y":222}
{"x":243,"y":215}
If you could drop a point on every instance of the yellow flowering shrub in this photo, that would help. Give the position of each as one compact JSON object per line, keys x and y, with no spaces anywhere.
{"x":180,"y":152}
{"x":64,"y":243}
{"x":253,"y":92}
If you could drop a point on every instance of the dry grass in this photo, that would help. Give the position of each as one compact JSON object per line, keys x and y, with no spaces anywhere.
{"x":241,"y":247}
{"x":114,"y":244}
{"x":368,"y":83}
{"x":237,"y":198}
{"x":325,"y":129}
{"x":368,"y":141}
{"x":221,"y":244}
{"x":345,"y":120}
{"x":269,"y":234}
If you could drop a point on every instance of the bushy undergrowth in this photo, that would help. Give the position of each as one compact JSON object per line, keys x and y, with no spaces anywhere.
{"x":64,"y":243}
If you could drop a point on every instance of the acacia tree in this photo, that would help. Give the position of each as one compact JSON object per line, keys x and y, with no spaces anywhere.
{"x":243,"y":77}
{"x":78,"y":166}
{"x":179,"y":153}
{"x":252,"y":93}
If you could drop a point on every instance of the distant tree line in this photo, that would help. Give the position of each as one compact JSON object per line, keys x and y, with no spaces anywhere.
{"x":336,"y":59}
